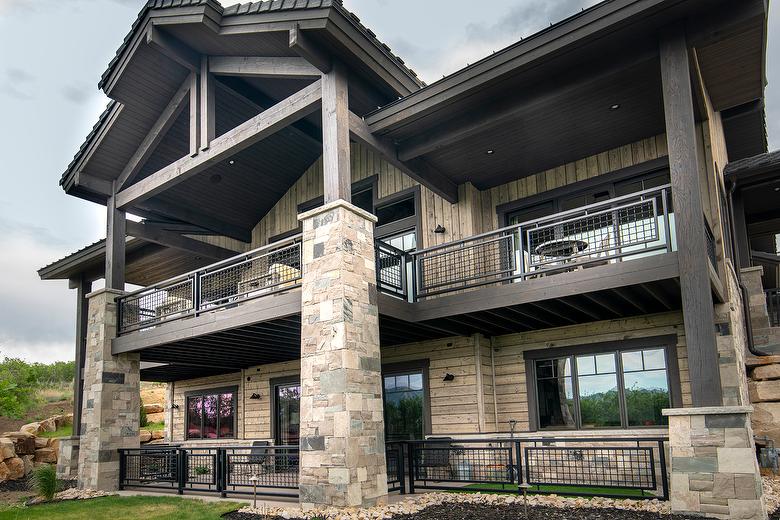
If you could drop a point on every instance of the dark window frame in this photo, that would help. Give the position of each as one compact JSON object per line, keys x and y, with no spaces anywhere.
{"x":273,"y":383}
{"x":206,"y":392}
{"x":418,"y":365}
{"x":405,"y":224}
{"x":667,"y":342}
{"x":606,"y":181}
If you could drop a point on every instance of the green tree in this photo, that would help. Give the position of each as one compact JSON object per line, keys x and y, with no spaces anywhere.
{"x":18,"y":383}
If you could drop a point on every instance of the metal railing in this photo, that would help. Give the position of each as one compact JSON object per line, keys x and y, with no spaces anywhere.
{"x":616,"y":467}
{"x":619,"y":229}
{"x":711,"y":245}
{"x":773,"y":306}
{"x":390,"y":268}
{"x":266,"y":270}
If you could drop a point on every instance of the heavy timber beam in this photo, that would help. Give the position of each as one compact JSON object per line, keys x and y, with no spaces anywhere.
{"x":115,"y":246}
{"x":243,"y":136}
{"x":156,"y":134}
{"x":188,"y":214}
{"x":208,"y":119}
{"x":173,"y":48}
{"x":698,"y":311}
{"x":300,"y":43}
{"x":262,"y":67}
{"x":421,"y":171}
{"x":152,"y":233}
{"x":335,"y":135}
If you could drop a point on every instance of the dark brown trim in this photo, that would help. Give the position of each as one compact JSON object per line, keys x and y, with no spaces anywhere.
{"x":422,"y":365}
{"x":272,"y":384}
{"x":668,"y":342}
{"x":211,"y":391}
{"x":647,"y":167}
{"x":405,"y":224}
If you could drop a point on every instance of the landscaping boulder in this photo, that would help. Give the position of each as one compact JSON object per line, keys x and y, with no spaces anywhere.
{"x":54,"y":444}
{"x":153,"y":408}
{"x":24,"y":443}
{"x":764,"y":391}
{"x":33,"y":428}
{"x":4,"y":472}
{"x":156,"y":417}
{"x":158,"y":434}
{"x":63,"y":420}
{"x":47,"y":455}
{"x":41,"y":442}
{"x":47,"y":425}
{"x":767,"y":372}
{"x":145,"y":436}
{"x":766,"y":421}
{"x":6,"y":448}
{"x":15,"y":467}
{"x":29,"y":463}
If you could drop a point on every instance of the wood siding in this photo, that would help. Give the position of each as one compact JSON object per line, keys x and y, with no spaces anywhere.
{"x":465,"y":405}
{"x":476,"y":210}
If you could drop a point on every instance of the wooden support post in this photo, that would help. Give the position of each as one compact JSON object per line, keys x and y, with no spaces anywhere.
{"x":335,"y":135}
{"x":115,"y":246}
{"x":207,"y":105}
{"x":194,"y":114}
{"x":698,"y":311}
{"x":83,"y":287}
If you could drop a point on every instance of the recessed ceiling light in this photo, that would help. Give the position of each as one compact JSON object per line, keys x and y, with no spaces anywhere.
{"x":231,"y":161}
{"x":614,"y":107}
{"x":490,"y":152}
{"x":777,"y":189}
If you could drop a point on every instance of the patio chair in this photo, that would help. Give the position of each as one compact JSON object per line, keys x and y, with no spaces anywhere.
{"x":434,"y":461}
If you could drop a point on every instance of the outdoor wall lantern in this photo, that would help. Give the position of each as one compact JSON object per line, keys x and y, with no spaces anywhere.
{"x":449,"y":377}
{"x":255,"y":396}
{"x":174,"y":406}
{"x":439,"y":229}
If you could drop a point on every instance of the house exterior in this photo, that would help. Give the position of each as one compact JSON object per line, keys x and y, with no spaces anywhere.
{"x":335,"y":256}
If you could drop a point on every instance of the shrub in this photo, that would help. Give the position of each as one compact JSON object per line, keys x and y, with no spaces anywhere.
{"x":201,"y":470}
{"x":143,"y":419}
{"x":17,"y":385}
{"x":44,"y":481}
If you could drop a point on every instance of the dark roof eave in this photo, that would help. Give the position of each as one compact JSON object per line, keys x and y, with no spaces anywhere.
{"x":747,"y":169}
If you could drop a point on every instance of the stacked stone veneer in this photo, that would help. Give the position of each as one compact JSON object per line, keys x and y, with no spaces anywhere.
{"x":111,"y":398}
{"x":732,"y":342}
{"x":714,"y":470}
{"x":342,"y":425}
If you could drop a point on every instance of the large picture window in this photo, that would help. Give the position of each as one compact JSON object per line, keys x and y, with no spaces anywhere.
{"x":621,"y":386}
{"x":211,"y":414}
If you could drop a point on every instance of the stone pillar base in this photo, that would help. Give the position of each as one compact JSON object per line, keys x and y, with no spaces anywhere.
{"x":714,"y":468}
{"x":110,"y":416}
{"x":68,"y":458}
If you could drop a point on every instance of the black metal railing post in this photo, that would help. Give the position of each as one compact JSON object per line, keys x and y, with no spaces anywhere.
{"x":412,"y":468}
{"x":401,"y":469}
{"x":181,"y":474}
{"x":664,"y":474}
{"x":221,"y":464}
{"x":122,"y":468}
{"x":519,"y":467}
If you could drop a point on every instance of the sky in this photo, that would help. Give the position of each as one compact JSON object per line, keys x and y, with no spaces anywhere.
{"x":52,"y":53}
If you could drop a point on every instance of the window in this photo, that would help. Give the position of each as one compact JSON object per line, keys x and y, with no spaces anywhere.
{"x":401,"y":209}
{"x":406,"y":402}
{"x":211,"y":414}
{"x":610,"y":388}
{"x":287,"y":412}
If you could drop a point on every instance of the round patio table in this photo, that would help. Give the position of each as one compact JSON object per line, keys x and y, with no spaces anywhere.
{"x":560,"y":247}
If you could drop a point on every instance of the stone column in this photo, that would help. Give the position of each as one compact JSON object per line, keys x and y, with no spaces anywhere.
{"x":110,"y":417}
{"x":68,"y":458}
{"x":714,"y":469}
{"x":342,"y":424}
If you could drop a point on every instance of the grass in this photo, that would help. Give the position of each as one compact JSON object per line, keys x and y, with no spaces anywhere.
{"x":154,"y":426}
{"x":148,"y":508}
{"x":583,"y":491}
{"x":62,"y":431}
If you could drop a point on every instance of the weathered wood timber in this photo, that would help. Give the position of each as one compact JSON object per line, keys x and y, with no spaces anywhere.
{"x":300,"y":43}
{"x":335,"y":134}
{"x":153,"y":233}
{"x":208,"y":117}
{"x":115,"y":246}
{"x":698,"y":308}
{"x":256,"y":129}
{"x":263,"y":67}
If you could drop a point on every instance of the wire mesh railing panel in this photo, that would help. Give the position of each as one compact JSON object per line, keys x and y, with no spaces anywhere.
{"x":266,"y":270}
{"x":201,"y":468}
{"x":390,"y":269}
{"x":252,"y":277}
{"x":394,"y":456}
{"x":461,"y":462}
{"x":471,"y":262}
{"x":156,"y":305}
{"x":149,"y":468}
{"x":263,"y":467}
{"x":607,"y":467}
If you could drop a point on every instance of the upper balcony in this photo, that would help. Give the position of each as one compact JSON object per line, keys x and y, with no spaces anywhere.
{"x":607,"y":260}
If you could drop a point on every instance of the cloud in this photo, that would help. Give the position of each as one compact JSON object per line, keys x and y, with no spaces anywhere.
{"x":36,"y":317}
{"x":76,"y":94}
{"x":16,"y":83}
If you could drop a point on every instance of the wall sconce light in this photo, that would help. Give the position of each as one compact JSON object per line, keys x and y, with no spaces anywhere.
{"x":449,"y":377}
{"x":439,"y":229}
{"x":174,"y":406}
{"x":254,"y":396}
